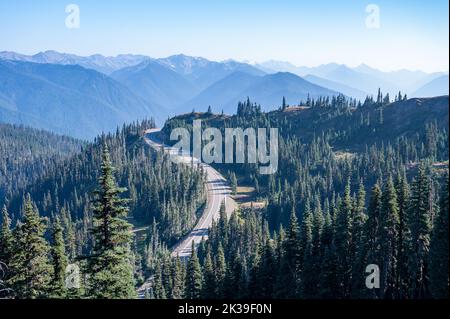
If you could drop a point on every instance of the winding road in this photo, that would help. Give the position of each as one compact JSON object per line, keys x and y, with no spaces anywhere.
{"x":218,"y":191}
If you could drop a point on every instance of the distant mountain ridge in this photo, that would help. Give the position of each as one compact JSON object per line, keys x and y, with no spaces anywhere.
{"x":362,"y":78}
{"x":435,"y":87}
{"x":96,"y":62}
{"x":83,"y":96}
{"x":66,"y":99}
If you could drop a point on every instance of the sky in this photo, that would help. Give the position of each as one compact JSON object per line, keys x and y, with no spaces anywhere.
{"x":411,"y":34}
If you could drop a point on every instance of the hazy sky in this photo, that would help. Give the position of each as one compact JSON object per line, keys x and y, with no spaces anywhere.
{"x":412,"y":34}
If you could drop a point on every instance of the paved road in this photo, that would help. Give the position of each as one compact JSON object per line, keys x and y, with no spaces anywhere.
{"x":218,"y":191}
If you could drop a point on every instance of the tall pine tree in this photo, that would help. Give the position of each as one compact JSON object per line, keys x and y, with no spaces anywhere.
{"x":193,"y":288}
{"x":110,"y":267}
{"x":30,"y":267}
{"x":59,"y":260}
{"x":439,"y":278}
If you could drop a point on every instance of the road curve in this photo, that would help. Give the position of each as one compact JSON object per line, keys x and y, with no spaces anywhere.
{"x":218,"y":191}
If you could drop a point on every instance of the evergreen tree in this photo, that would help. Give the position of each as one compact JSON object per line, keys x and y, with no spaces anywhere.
{"x":30,"y":267}
{"x":59,"y":260}
{"x":328,"y":285}
{"x":221,"y":270}
{"x":266,"y":272}
{"x":439,"y":264}
{"x":234,"y":287}
{"x":193,"y":277}
{"x":209,"y":278}
{"x":370,"y":252}
{"x":420,"y":227}
{"x":291,"y":265}
{"x":177,"y":279}
{"x":110,"y":266}
{"x":358,"y":242}
{"x":306,"y":258}
{"x":389,"y":223}
{"x":6,"y":238}
{"x":284,"y":105}
{"x":343,"y":243}
{"x":402,"y":188}
{"x":158,"y":288}
{"x":234,"y":184}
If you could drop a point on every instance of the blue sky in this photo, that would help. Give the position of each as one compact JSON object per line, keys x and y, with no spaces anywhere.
{"x":413,"y":34}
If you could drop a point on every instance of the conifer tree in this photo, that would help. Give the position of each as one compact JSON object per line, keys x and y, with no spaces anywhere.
{"x":209,"y":278}
{"x":328,"y":286}
{"x":389,"y":223}
{"x":343,"y":243}
{"x":177,"y":279}
{"x":292,"y":257}
{"x":30,"y":267}
{"x":6,"y":238}
{"x":234,"y":278}
{"x":110,"y":266}
{"x":193,"y":277}
{"x":420,"y":227}
{"x":306,"y":250}
{"x":402,"y":188}
{"x":221,"y":270}
{"x":370,"y":252}
{"x":59,"y":260}
{"x":233,"y":183}
{"x":358,"y":242}
{"x":284,"y":105}
{"x":158,"y":288}
{"x":439,"y":264}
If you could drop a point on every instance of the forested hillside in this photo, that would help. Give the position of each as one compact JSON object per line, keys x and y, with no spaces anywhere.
{"x":357,"y":184}
{"x":162,"y":199}
{"x":28,"y":154}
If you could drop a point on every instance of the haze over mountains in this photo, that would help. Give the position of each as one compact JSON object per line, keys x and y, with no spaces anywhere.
{"x":83,"y":96}
{"x":66,"y":99}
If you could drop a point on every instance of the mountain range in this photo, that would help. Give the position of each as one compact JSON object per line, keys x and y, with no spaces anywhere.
{"x":66,"y":99}
{"x":83,"y":96}
{"x":361,"y":79}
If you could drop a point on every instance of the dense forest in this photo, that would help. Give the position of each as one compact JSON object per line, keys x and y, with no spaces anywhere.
{"x":27,"y":154}
{"x":358,"y":184}
{"x":163,"y":202}
{"x":332,"y":153}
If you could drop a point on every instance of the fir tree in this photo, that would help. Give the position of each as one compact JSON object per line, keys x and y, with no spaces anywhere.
{"x":209,"y":278}
{"x":30,"y":267}
{"x":439,"y":264}
{"x":389,"y":223}
{"x":343,"y":243}
{"x":420,"y":227}
{"x":110,"y":266}
{"x":402,"y":188}
{"x":291,"y":265}
{"x":358,"y":242}
{"x":370,"y":252}
{"x":306,"y":259}
{"x":177,"y":279}
{"x":221,"y":270}
{"x":6,"y":238}
{"x":59,"y":260}
{"x":158,"y":286}
{"x":193,"y":277}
